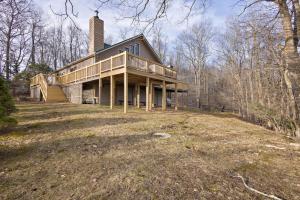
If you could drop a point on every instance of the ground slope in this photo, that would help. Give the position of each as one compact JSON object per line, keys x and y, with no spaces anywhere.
{"x":65,"y":151}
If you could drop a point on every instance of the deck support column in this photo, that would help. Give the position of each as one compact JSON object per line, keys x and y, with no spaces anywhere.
{"x":80,"y":93}
{"x":125,"y":92}
{"x":164,"y":96}
{"x":135,"y":95}
{"x":150,"y":95}
{"x":176,"y":97}
{"x":100,"y":90}
{"x":153,"y":96}
{"x":112,"y":91}
{"x":147,"y":94}
{"x":138,"y":96}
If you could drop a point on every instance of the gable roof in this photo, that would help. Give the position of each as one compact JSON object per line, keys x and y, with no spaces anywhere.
{"x":140,"y":36}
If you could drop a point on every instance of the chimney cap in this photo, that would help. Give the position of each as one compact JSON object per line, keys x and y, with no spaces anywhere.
{"x":96,"y":13}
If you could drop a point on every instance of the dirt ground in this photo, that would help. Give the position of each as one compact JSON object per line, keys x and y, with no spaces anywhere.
{"x":66,"y":151}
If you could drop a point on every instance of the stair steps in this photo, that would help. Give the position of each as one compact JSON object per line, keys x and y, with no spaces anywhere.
{"x":51,"y":93}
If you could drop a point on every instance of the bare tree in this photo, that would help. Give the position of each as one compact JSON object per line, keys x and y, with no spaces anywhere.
{"x":139,"y":11}
{"x":288,"y":14}
{"x":14,"y":16}
{"x":194,"y":46}
{"x":36,"y":25}
{"x":160,"y":43}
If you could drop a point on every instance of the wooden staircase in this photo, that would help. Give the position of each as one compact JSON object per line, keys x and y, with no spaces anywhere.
{"x":51,"y":93}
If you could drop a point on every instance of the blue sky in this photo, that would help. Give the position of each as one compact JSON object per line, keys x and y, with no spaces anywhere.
{"x":218,"y":12}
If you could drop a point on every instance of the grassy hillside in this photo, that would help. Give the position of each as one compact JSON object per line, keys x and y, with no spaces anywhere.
{"x":65,"y":151}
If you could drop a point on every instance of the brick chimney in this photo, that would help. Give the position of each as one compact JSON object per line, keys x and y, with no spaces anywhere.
{"x":96,"y":34}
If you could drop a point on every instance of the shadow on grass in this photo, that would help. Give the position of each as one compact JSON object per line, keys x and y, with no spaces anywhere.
{"x":78,"y":145}
{"x":55,"y":114}
{"x":42,"y":107}
{"x":74,"y":124}
{"x":213,"y":113}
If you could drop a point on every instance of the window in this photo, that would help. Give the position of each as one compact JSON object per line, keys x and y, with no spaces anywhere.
{"x":137,"y":49}
{"x":120,"y":50}
{"x":131,"y":49}
{"x":134,"y":49}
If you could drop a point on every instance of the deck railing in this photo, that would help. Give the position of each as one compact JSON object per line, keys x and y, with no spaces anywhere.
{"x":115,"y":62}
{"x":143,"y":64}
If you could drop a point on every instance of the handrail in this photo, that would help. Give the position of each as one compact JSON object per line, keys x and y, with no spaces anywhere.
{"x":39,"y":79}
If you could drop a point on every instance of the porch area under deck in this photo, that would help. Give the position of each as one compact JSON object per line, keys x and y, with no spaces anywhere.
{"x":129,"y":89}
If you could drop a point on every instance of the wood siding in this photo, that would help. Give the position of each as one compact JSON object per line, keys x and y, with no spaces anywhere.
{"x":144,"y":51}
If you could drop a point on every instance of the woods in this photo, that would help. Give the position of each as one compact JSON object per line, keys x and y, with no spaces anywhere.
{"x":250,"y":68}
{"x":27,"y":39}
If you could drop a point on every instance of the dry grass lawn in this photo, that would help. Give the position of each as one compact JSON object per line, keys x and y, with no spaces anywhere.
{"x":66,"y":151}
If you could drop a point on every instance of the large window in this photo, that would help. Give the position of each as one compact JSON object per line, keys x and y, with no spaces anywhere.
{"x":134,"y":49}
{"x":137,"y":49}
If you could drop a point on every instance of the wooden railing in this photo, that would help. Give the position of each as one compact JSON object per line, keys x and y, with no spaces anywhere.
{"x":115,"y":62}
{"x":42,"y":82}
{"x":143,"y":64}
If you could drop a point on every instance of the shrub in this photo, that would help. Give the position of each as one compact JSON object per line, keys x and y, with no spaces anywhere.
{"x":7,"y":106}
{"x":6,"y":123}
{"x":273,"y":120}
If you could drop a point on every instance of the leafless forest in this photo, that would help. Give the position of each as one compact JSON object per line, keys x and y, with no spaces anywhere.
{"x":251,"y":67}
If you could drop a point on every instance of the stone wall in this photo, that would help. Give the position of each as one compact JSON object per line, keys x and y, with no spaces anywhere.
{"x":35,"y":93}
{"x":74,"y":93}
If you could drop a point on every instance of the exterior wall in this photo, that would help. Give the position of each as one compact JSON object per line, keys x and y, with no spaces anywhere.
{"x":144,"y":51}
{"x":78,"y":65}
{"x":120,"y":94}
{"x":119,"y":98}
{"x":35,"y":93}
{"x":90,"y":90}
{"x":73,"y":93}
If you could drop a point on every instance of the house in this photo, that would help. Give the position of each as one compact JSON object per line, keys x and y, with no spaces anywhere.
{"x":126,"y":73}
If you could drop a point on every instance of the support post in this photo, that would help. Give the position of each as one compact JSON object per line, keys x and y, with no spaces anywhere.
{"x":153,"y":96}
{"x":86,"y":73}
{"x":112,"y":91}
{"x":100,"y":90}
{"x":147,"y":94}
{"x":125,"y":92}
{"x":150,"y":95}
{"x":138,"y":96}
{"x":164,"y":96}
{"x":80,"y":93}
{"x":135,"y":95}
{"x":176,"y":98}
